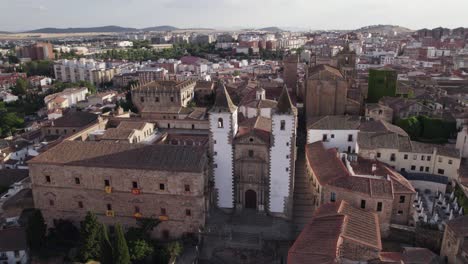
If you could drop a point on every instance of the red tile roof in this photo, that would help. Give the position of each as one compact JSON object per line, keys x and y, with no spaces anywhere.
{"x":319,"y":242}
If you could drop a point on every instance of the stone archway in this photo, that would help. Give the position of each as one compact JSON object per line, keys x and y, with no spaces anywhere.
{"x":250,"y":199}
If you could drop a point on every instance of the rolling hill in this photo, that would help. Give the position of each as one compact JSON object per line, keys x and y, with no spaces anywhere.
{"x":82,"y":30}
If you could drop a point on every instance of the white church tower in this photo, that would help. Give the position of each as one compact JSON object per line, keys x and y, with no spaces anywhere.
{"x":223,"y":128}
{"x":283,"y":156}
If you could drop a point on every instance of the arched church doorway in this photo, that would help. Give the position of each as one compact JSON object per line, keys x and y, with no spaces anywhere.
{"x":251,"y":199}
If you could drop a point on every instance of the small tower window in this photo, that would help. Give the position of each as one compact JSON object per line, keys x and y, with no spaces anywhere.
{"x":283,"y":125}
{"x":157,"y":99}
{"x":220,"y":123}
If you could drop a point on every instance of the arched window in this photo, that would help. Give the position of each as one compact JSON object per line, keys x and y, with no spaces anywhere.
{"x":220,"y":123}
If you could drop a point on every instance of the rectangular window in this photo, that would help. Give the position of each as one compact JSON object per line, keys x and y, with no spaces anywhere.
{"x":324,"y":137}
{"x":363,"y":204}
{"x":137,"y":209}
{"x":162,"y":186}
{"x":157,"y":99}
{"x":413,"y":167}
{"x":142,"y":99}
{"x":134,"y":184}
{"x":109,"y":207}
{"x":287,"y":169}
{"x":106,"y":183}
{"x":187,"y":188}
{"x":402,"y":198}
{"x":251,"y":153}
{"x":427,"y":169}
{"x":415,"y":157}
{"x":80,"y":204}
{"x":350,"y":138}
{"x":450,"y":162}
{"x":163,"y":211}
{"x":405,"y":156}
{"x":392,"y":157}
{"x":172,"y":99}
{"x":421,"y":168}
{"x":440,"y":171}
{"x":77,"y":180}
{"x":51,"y":202}
{"x":440,"y":159}
{"x":332,"y":197}
{"x":423,"y":157}
{"x":379,"y":155}
{"x":188,"y":212}
{"x":429,"y":158}
{"x":47,"y":178}
{"x":379,"y":207}
{"x":283,"y":125}
{"x":400,"y":212}
{"x":332,"y":135}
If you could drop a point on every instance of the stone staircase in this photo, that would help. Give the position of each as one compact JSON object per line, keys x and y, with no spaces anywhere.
{"x":245,"y":240}
{"x":303,"y":207}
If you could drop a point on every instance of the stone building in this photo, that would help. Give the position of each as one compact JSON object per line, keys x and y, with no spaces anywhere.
{"x":455,"y":242}
{"x":72,"y":123}
{"x":168,"y":104}
{"x":253,"y":150}
{"x":325,"y":92}
{"x":129,"y":132}
{"x":346,"y":61}
{"x":338,"y":233}
{"x":123,"y":182}
{"x":366,"y":184}
{"x":290,"y":64}
{"x":163,"y":98}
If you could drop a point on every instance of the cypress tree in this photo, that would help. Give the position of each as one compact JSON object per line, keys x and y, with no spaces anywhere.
{"x":106,"y":247}
{"x":36,"y":230}
{"x":90,"y":238}
{"x":121,"y":254}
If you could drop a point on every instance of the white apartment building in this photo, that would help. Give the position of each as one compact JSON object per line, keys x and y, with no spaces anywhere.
{"x":83,"y":70}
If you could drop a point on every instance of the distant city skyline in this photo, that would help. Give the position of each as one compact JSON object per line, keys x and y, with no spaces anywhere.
{"x":22,"y":15}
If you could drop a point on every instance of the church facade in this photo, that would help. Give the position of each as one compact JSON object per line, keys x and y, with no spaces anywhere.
{"x":253,"y":148}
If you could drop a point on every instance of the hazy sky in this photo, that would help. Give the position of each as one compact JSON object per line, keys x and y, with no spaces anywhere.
{"x":20,"y":15}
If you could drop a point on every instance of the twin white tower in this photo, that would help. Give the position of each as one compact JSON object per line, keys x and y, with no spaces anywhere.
{"x":224,"y":127}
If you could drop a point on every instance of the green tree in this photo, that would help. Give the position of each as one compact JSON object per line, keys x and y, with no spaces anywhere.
{"x":90,"y":238}
{"x":174,"y":249}
{"x":121,"y":254}
{"x":36,"y":231}
{"x":106,"y":247}
{"x":21,"y":87}
{"x":139,"y":249}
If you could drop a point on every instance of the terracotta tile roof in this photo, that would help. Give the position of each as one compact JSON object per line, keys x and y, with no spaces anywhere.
{"x":258,"y":126}
{"x":325,"y":164}
{"x":319,"y":241}
{"x":361,"y":226}
{"x":117,"y":134}
{"x":328,"y":68}
{"x":75,"y":119}
{"x":380,"y":188}
{"x":125,"y":156}
{"x":138,"y":125}
{"x":334,"y":123}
